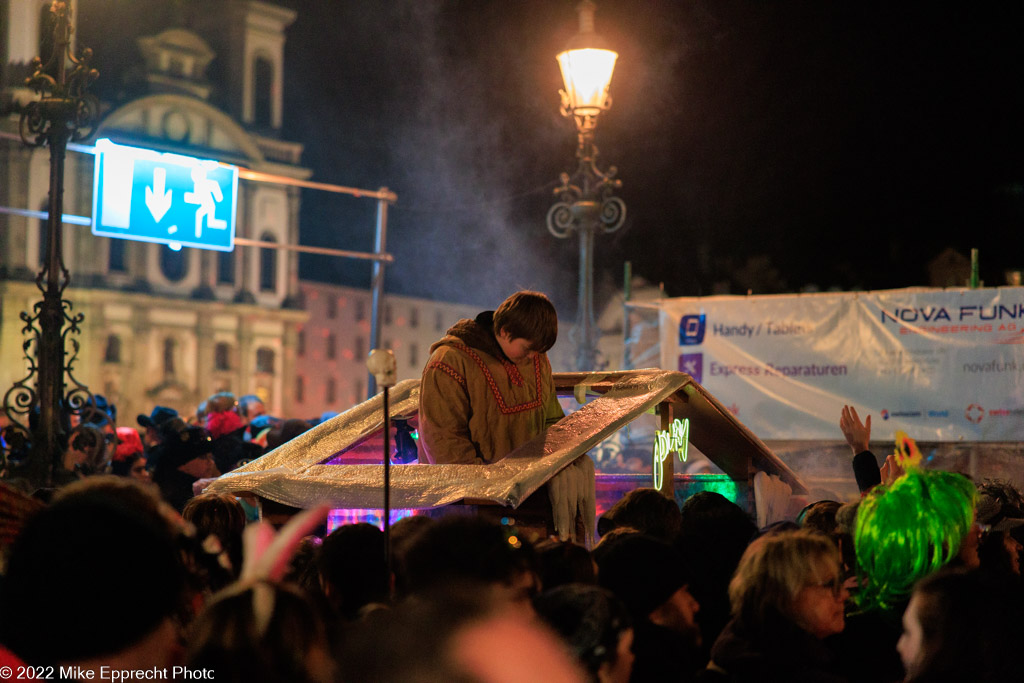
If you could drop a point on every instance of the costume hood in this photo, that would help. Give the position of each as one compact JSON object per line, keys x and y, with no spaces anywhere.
{"x":476,"y":334}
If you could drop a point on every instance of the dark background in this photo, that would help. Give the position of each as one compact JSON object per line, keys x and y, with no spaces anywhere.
{"x":772,"y":146}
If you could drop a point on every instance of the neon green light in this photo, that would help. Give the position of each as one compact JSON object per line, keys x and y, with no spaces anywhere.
{"x":721,"y":483}
{"x":677,"y":439}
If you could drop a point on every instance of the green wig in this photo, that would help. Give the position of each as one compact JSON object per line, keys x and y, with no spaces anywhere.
{"x":907,"y":530}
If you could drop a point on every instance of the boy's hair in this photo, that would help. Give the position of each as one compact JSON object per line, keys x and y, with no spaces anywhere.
{"x":528,"y":315}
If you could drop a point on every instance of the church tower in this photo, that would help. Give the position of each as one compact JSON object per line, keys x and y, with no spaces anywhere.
{"x":249,"y":36}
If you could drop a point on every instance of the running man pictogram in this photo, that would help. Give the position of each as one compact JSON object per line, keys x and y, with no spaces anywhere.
{"x":206,"y":193}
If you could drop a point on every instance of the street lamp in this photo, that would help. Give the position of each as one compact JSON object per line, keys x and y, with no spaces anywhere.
{"x":585,"y":202}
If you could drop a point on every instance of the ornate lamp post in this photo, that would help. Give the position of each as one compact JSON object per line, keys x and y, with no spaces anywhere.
{"x":585,"y":202}
{"x":63,"y":113}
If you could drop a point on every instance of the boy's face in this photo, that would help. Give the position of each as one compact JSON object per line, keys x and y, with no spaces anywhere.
{"x":517,"y":349}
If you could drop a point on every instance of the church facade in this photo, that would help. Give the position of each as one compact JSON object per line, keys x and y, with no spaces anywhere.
{"x":163,"y":326}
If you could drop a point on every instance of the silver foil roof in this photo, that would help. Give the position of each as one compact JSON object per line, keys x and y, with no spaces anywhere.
{"x":294,"y":473}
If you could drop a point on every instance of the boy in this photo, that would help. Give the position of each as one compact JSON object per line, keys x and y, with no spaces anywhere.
{"x":487,"y":387}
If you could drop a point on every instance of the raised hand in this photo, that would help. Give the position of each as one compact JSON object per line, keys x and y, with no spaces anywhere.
{"x":857,"y":433}
{"x":891,"y":470}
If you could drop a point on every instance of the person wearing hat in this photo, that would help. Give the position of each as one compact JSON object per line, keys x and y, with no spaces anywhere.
{"x":184,"y":458}
{"x":152,"y":423}
{"x":651,"y":579}
{"x":130,"y":457}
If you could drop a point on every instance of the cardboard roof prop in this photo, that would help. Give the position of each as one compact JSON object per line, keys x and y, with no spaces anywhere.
{"x":295,"y":474}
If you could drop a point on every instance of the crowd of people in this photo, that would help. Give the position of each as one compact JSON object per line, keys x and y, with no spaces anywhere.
{"x":171,"y":450}
{"x":125,"y":568}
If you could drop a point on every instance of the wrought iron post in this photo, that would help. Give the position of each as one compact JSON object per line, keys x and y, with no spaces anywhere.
{"x":34,"y":445}
{"x":586,"y":206}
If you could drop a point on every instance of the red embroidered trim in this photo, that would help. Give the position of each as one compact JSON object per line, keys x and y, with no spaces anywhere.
{"x":513,"y":373}
{"x":448,"y":370}
{"x":505,"y":409}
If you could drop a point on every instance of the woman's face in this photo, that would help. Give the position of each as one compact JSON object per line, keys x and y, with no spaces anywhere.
{"x":818,"y":608}
{"x":912,"y":641}
{"x":138,"y":470}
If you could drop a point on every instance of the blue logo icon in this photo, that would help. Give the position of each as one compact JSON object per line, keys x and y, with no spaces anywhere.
{"x":691,"y":329}
{"x":693,"y":365}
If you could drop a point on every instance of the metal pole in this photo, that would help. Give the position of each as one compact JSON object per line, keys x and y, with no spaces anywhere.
{"x":627,"y":294}
{"x":586,"y":353}
{"x":377,"y":285}
{"x":667,"y":414}
{"x":50,"y":343}
{"x":382,"y":366}
{"x":387,"y":482}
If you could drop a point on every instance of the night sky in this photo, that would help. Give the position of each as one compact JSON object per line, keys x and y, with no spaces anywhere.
{"x":762,"y":145}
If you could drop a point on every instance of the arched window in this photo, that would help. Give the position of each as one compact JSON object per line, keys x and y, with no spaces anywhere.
{"x":331,"y":390}
{"x":300,"y":344}
{"x":116,"y":256}
{"x":170,"y":350}
{"x":226,"y":267}
{"x":332,"y":307}
{"x":178,"y":67}
{"x":332,"y":346}
{"x":173,"y":264}
{"x":222,"y":356}
{"x":112,"y":349}
{"x":360,"y":349}
{"x":268,"y":265}
{"x":262,"y":93}
{"x":265,"y":360}
{"x":300,"y":389}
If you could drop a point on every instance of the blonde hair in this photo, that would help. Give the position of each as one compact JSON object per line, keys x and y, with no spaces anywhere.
{"x":774,"y":569}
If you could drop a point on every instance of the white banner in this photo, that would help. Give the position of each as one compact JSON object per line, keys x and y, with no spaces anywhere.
{"x":941,"y":365}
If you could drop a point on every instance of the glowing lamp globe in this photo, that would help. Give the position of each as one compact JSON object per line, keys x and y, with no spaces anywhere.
{"x":587,"y":67}
{"x":587,"y":73}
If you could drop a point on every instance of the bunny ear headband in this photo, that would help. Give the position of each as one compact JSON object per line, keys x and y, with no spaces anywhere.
{"x":267,"y":554}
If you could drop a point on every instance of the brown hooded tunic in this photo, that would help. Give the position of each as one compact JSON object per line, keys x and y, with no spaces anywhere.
{"x":476,"y":405}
